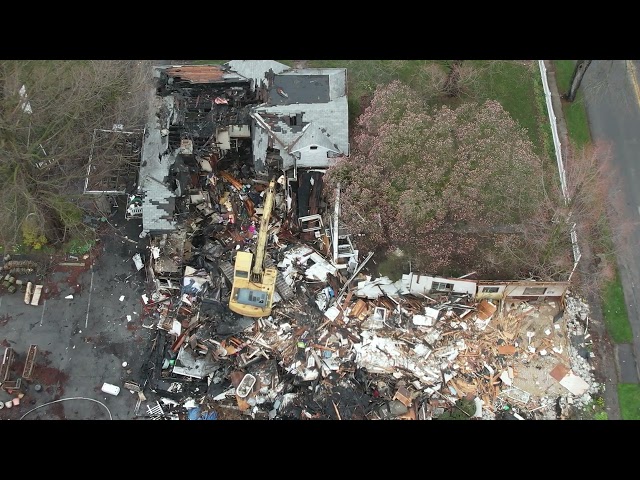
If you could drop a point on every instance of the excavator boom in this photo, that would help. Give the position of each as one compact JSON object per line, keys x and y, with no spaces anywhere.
{"x":263,"y":233}
{"x":253,"y":285}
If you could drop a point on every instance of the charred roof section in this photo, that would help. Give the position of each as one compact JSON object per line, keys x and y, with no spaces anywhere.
{"x":200,"y":112}
{"x":191,"y":76}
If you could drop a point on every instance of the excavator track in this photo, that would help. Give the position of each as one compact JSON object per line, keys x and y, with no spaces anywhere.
{"x":227,"y":270}
{"x":285,"y":291}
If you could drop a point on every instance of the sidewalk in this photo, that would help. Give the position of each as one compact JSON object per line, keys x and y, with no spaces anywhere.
{"x":606,"y":353}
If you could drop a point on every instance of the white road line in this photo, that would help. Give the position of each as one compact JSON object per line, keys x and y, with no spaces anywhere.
{"x":638,"y":209}
{"x":44,"y":305}
{"x":86,"y":321}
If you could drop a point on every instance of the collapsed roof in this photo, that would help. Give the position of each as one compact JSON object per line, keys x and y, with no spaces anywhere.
{"x":283,"y":118}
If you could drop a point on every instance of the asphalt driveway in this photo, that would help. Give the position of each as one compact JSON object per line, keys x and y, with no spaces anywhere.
{"x":82,"y":342}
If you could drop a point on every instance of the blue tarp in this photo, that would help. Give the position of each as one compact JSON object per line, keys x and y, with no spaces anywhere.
{"x":195,"y":414}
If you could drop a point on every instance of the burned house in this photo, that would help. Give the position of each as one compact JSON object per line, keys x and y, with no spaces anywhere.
{"x":271,"y":119}
{"x":303,"y":122}
{"x":200,"y":114}
{"x":337,"y":343}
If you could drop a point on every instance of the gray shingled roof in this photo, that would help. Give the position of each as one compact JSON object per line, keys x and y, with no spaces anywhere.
{"x":331,"y":118}
{"x":313,"y":135}
{"x":159,"y":201}
{"x":318,"y":98}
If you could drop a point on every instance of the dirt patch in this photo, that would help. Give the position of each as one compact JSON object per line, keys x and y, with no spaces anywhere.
{"x":604,"y":359}
{"x":4,"y":319}
{"x":12,"y":413}
{"x":49,"y":290}
{"x":73,"y":273}
{"x":230,"y":414}
{"x":97,"y":340}
{"x":52,"y":378}
{"x":5,"y":343}
{"x":55,"y":411}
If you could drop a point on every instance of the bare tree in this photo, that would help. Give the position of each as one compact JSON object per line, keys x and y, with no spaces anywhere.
{"x":464,"y":80}
{"x":48,"y":111}
{"x":459,"y":80}
{"x":596,"y":204}
{"x":451,"y":85}
{"x":576,"y":79}
{"x":543,"y":248}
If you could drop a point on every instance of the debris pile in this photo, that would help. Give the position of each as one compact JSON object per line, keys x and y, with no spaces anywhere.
{"x":336,"y":343}
{"x":340,"y":344}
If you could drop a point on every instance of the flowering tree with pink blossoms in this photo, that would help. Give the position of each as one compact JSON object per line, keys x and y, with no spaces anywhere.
{"x":439,"y":184}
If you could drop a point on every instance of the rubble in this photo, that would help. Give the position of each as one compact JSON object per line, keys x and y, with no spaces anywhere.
{"x":368,"y":353}
{"x":339,"y":343}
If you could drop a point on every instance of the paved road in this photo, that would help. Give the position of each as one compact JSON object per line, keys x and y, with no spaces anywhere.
{"x":612,"y":99}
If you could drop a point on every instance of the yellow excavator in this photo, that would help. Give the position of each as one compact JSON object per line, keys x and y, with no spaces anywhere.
{"x":253,"y":285}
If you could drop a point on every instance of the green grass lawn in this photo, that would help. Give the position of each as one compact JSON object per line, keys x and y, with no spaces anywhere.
{"x":629,"y":397}
{"x":575,"y":113}
{"x":614,"y":309}
{"x":511,"y":83}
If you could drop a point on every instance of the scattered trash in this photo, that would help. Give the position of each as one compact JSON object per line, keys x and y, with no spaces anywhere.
{"x":196,"y":414}
{"x":137,"y":259}
{"x":110,"y":389}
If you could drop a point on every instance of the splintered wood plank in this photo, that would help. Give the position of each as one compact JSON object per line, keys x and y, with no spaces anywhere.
{"x":30,"y":362}
{"x":7,"y":361}
{"x":359,"y":308}
{"x":347,"y":300}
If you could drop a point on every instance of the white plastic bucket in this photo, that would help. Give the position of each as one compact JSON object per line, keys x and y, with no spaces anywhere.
{"x":110,"y":389}
{"x":245,"y":386}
